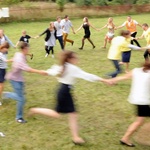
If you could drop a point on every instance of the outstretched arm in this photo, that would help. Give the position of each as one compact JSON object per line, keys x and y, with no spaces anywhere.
{"x":93,"y":27}
{"x":73,"y":30}
{"x":120,"y":78}
{"x":79,"y":28}
{"x":102,"y":27}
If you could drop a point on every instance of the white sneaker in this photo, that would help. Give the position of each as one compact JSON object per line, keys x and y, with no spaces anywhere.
{"x":52,"y":56}
{"x":0,"y":103}
{"x":2,"y":134}
{"x":46,"y":55}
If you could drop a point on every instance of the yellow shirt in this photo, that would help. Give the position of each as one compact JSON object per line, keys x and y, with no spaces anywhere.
{"x":119,"y":44}
{"x":147,"y":36}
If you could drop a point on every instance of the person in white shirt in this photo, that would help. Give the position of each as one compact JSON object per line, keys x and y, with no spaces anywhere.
{"x":131,"y":26}
{"x":139,"y":96}
{"x":67,"y":72}
{"x":59,"y":31}
{"x":67,"y":24}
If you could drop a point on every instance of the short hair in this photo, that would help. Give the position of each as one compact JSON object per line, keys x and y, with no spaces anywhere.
{"x":124,"y":32}
{"x":145,"y":24}
{"x":58,"y":18}
{"x":66,"y":16}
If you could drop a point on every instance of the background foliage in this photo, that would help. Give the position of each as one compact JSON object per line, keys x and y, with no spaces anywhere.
{"x":83,"y":2}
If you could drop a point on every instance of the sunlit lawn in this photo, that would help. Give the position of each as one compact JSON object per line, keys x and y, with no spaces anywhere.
{"x":104,"y":113}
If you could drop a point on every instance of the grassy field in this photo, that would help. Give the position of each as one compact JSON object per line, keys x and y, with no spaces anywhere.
{"x":104,"y":113}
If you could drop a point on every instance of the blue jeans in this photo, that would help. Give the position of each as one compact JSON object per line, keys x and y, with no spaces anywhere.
{"x":60,"y":39}
{"x":118,"y":69}
{"x":17,"y":95}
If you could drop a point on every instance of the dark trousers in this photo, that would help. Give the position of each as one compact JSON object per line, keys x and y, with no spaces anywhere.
{"x":60,"y":39}
{"x":146,"y":54}
{"x":48,"y":49}
{"x":118,"y":69}
{"x":134,"y":35}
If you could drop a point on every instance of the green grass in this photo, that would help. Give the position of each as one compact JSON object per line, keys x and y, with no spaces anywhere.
{"x":104,"y":113}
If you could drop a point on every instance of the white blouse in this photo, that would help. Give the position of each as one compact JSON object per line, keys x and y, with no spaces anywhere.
{"x":140,"y":89}
{"x":71,"y":73}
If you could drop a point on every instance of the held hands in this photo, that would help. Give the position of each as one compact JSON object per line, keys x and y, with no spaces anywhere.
{"x":109,"y":81}
{"x":36,"y":37}
{"x":43,"y":72}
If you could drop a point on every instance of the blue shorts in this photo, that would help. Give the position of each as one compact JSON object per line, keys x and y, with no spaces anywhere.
{"x":2,"y":75}
{"x":126,"y":56}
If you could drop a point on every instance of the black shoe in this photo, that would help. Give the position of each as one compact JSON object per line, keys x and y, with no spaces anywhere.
{"x":72,"y":43}
{"x":93,"y":47}
{"x":31,"y":56}
{"x":21,"y":120}
{"x":80,"y":48}
{"x":127,"y":144}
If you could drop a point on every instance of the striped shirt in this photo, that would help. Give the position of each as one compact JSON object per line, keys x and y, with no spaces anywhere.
{"x":3,"y":58}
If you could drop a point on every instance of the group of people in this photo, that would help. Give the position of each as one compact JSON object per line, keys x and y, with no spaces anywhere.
{"x":67,"y":72}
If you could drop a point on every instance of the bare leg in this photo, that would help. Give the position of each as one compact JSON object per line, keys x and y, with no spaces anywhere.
{"x":74,"y":128}
{"x":105,"y":42}
{"x":132,"y":128}
{"x":1,"y":90}
{"x":44,"y":111}
{"x":127,"y":67}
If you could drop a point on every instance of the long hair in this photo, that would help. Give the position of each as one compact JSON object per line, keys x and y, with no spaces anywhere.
{"x":111,"y":23}
{"x":64,"y":57}
{"x":146,"y":66}
{"x":4,"y":45}
{"x":51,"y":28}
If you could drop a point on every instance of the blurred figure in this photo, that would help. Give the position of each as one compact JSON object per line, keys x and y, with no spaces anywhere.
{"x":146,"y":35}
{"x":25,"y":38}
{"x":17,"y":81}
{"x":59,"y":31}
{"x":50,"y":39}
{"x":120,"y":44}
{"x":67,"y":72}
{"x":131,"y":26}
{"x":86,"y":26}
{"x":110,"y":34}
{"x":4,"y":38}
{"x":139,"y":96}
{"x":66,"y":28}
{"x":3,"y":65}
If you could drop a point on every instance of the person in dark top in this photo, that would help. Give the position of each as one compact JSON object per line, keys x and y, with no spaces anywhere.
{"x":86,"y":26}
{"x":25,"y":38}
{"x":50,"y":39}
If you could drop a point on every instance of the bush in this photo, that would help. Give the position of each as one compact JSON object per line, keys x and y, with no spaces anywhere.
{"x":61,"y":4}
{"x":100,"y":2}
{"x":9,"y":2}
{"x":141,"y":2}
{"x":83,"y":2}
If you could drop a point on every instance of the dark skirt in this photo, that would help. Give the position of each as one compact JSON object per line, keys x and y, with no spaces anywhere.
{"x":126,"y":56}
{"x":65,"y":102}
{"x":2,"y":75}
{"x":143,"y":110}
{"x":87,"y":35}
